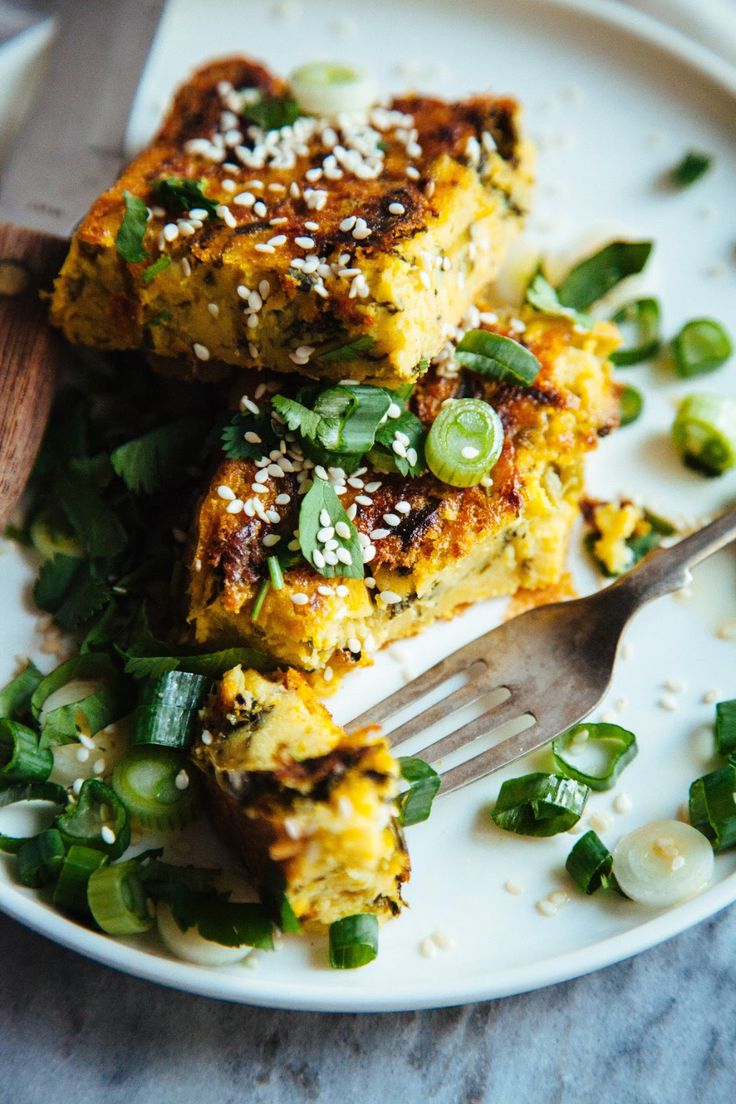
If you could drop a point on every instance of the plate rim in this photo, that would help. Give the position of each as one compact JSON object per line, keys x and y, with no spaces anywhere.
{"x":34,"y":914}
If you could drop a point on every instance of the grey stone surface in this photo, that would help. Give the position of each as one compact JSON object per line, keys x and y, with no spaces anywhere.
{"x":658,"y":1029}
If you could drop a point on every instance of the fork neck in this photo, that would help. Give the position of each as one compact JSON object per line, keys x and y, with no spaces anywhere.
{"x":668,"y":569}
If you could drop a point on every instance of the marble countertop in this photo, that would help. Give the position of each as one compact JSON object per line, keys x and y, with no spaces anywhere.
{"x":658,"y":1029}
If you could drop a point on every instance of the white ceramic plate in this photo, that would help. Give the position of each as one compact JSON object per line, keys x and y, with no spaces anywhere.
{"x":613,"y":103}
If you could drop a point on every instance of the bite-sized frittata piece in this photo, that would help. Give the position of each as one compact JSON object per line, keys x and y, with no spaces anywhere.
{"x":340,"y":246}
{"x":306,"y":806}
{"x":428,"y":548}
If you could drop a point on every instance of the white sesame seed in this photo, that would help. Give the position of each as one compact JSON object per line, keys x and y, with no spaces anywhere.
{"x":260,"y":208}
{"x":403,"y":507}
{"x":327,"y":674}
{"x":427,"y":948}
{"x":348,"y":223}
{"x":394,"y":410}
{"x":252,"y":438}
{"x":244,"y":199}
{"x":545,"y":907}
{"x":271,"y":540}
{"x":107,"y":834}
{"x":304,"y":243}
{"x":379,"y":534}
{"x":278,"y":221}
{"x":390,"y":597}
{"x":412,"y":172}
{"x":325,"y":591}
{"x":342,"y":591}
{"x":299,"y":599}
{"x":351,"y":512}
{"x":317,"y":558}
{"x":234,"y":507}
{"x":344,"y":556}
{"x":330,"y":557}
{"x":201,"y":352}
{"x":99,"y":766}
{"x":279,"y":239}
{"x":77,"y":785}
{"x":85,"y":741}
{"x":248,"y":404}
{"x":392,"y":519}
{"x":283,"y":499}
{"x":259,"y":488}
{"x":354,"y":645}
{"x":206,"y":737}
{"x":622,"y":803}
{"x":228,"y":185}
{"x":399,"y":449}
{"x":600,"y":821}
{"x":667,"y":702}
{"x":263,"y":247}
{"x":309,"y":225}
{"x":182,"y":780}
{"x":711,"y":696}
{"x":226,"y":492}
{"x":676,"y":685}
{"x":343,"y":530}
{"x":513,"y":887}
{"x":469,"y":453}
{"x":397,"y":208}
{"x":82,"y":754}
{"x":411,"y":456}
{"x":170,"y":232}
{"x":364,"y":500}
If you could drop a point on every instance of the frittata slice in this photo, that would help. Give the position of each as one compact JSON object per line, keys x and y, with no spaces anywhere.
{"x":333,"y":247}
{"x":429,"y":549}
{"x":303,"y":803}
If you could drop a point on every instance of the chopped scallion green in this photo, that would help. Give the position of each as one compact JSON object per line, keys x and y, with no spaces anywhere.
{"x":616,"y":743}
{"x":158,"y":787}
{"x":21,"y":758}
{"x":701,"y":346}
{"x":690,"y":169}
{"x":98,"y":820}
{"x":415,"y":804}
{"x":496,"y":356}
{"x":539,"y":804}
{"x":726,"y":727}
{"x":117,"y":899}
{"x":632,"y":404}
{"x":590,"y":864}
{"x":643,"y":315}
{"x":353,"y":941}
{"x":464,"y":442}
{"x":592,"y":278}
{"x":167,"y":709}
{"x":80,"y":863}
{"x":713,"y":808}
{"x":704,"y":430}
{"x":41,"y":858}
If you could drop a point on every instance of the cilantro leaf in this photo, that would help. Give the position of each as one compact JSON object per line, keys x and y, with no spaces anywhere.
{"x":297,"y":417}
{"x":155,"y":269}
{"x":233,"y":440}
{"x":129,"y":239}
{"x":593,"y":277}
{"x":353,"y":350}
{"x":177,"y":194}
{"x":408,"y":424}
{"x":147,"y":462}
{"x":272,"y":112}
{"x":321,"y":505}
{"x":151,"y":658}
{"x":93,"y":520}
{"x":84,"y":597}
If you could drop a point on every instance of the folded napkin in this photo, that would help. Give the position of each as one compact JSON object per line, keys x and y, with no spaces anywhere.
{"x":712,"y":23}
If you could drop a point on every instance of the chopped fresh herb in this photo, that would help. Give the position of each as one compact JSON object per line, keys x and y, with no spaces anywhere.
{"x":643,"y":315}
{"x":150,"y":659}
{"x":647,"y":534}
{"x":298,"y":418}
{"x":632,"y":404}
{"x":157,"y":457}
{"x":592,"y":278}
{"x":41,"y":858}
{"x":354,"y":350}
{"x":590,"y":864}
{"x":496,"y":356}
{"x":322,"y":508}
{"x":415,"y":804}
{"x":539,"y":804}
{"x":177,"y":194}
{"x":92,"y":519}
{"x":159,"y":319}
{"x":690,"y":169}
{"x":541,"y":295}
{"x":263,"y":590}
{"x":155,"y":270}
{"x":704,"y":430}
{"x":129,"y":239}
{"x":21,"y":757}
{"x":117,"y":899}
{"x":726,"y":727}
{"x":701,"y":346}
{"x":386,"y":458}
{"x":15,"y":697}
{"x":712,"y":808}
{"x":97,"y":807}
{"x":234,"y":444}
{"x":272,"y":112}
{"x":353,"y":941}
{"x":616,"y":745}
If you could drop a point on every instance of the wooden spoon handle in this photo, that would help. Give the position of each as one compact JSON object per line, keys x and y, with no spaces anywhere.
{"x":30,"y":352}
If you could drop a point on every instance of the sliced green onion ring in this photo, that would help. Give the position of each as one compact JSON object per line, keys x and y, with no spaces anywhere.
{"x":496,"y":356}
{"x":15,"y":697}
{"x":331,"y":87}
{"x":590,"y":864}
{"x":158,"y":787}
{"x":41,"y":858}
{"x":70,"y":894}
{"x":726,"y":727}
{"x":617,"y":742}
{"x":353,"y":941}
{"x":415,"y":804}
{"x":21,"y":759}
{"x":98,"y":820}
{"x":704,"y":430}
{"x":13,"y":792}
{"x":644,"y":316}
{"x":539,"y":804}
{"x":464,"y":442}
{"x":167,"y":709}
{"x":701,"y":346}
{"x":117,"y":899}
{"x":712,"y":807}
{"x":631,"y":405}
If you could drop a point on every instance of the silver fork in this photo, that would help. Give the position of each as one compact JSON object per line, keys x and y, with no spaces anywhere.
{"x":554,"y":662}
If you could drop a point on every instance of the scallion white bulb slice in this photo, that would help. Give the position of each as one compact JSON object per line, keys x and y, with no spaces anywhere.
{"x":329,"y":87}
{"x":191,"y":946}
{"x":663,"y":863}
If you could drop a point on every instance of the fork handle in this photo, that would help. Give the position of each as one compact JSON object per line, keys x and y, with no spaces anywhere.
{"x":29,"y":353}
{"x":668,"y":569}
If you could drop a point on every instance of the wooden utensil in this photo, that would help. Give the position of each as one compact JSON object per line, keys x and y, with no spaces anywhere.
{"x":66,"y":153}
